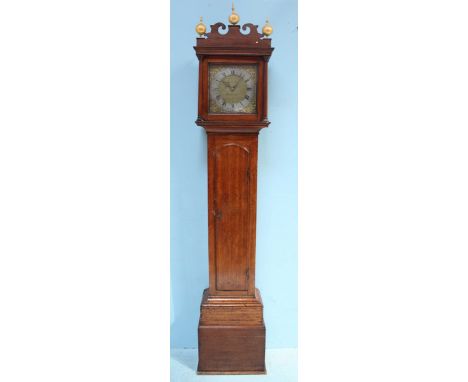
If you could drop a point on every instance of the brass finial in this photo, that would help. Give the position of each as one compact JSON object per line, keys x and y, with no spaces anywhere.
{"x":267,"y":28}
{"x":200,"y":28}
{"x":234,"y":17}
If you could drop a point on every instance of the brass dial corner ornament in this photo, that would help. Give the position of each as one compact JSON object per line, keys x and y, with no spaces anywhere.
{"x":232,"y":88}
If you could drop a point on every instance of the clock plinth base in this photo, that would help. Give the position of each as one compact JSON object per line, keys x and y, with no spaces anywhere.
{"x":231,"y":335}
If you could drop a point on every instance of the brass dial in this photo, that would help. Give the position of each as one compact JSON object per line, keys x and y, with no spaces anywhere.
{"x":233,"y":88}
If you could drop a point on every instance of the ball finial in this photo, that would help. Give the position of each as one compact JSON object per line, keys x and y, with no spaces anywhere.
{"x":200,"y":28}
{"x":234,"y":17}
{"x":267,"y":29}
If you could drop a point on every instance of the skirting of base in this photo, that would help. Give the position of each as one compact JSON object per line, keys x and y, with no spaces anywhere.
{"x":254,"y":372}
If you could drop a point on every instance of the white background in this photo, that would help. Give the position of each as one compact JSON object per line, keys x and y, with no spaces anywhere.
{"x":383,"y":156}
{"x":84,"y":191}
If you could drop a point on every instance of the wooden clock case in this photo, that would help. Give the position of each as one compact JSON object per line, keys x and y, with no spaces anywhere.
{"x":231,"y":330}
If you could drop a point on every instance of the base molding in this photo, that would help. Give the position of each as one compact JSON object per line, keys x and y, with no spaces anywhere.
{"x":253,"y":372}
{"x":231,"y":336}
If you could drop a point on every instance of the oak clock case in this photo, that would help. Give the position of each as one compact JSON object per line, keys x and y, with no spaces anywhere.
{"x":232,"y":108}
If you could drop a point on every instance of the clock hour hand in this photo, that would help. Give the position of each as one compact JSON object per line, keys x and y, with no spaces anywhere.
{"x":227,"y":84}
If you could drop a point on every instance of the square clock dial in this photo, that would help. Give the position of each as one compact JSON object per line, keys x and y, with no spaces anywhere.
{"x":233,"y":89}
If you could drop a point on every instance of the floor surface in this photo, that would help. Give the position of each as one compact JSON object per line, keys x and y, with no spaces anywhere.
{"x":281,"y":366}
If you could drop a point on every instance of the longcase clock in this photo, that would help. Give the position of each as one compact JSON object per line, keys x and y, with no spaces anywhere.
{"x":232,"y":108}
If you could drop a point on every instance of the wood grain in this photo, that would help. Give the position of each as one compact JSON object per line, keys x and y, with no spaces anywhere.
{"x":231,"y":349}
{"x":231,"y":209}
{"x":231,"y":335}
{"x":232,"y":189}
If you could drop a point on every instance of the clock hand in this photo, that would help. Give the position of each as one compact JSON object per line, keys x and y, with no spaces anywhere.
{"x":237,"y":83}
{"x":228,"y":85}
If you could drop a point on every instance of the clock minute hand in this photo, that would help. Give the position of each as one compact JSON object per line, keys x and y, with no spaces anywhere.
{"x":237,"y":83}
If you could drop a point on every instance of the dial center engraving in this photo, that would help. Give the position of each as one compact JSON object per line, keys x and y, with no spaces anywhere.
{"x":232,"y":88}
